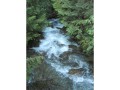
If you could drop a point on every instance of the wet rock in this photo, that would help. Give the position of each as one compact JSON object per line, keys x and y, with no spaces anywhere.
{"x":70,"y":63}
{"x":63,"y":30}
{"x":43,"y":84}
{"x":65,"y":56}
{"x":91,"y":69}
{"x":90,"y":59}
{"x":39,"y":85}
{"x":73,"y":64}
{"x":76,"y":71}
{"x":46,"y":78}
{"x":72,"y":46}
{"x":61,"y":45}
{"x":75,"y":49}
{"x":31,"y":53}
{"x":58,"y":27}
{"x":58,"y":43}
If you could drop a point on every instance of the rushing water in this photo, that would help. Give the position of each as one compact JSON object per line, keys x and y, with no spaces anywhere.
{"x":55,"y":45}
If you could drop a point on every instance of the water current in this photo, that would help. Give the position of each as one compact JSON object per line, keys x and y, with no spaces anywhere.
{"x":59,"y":55}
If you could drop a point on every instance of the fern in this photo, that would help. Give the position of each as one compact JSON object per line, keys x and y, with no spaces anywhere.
{"x":37,"y":13}
{"x":77,"y":16}
{"x":32,"y":63}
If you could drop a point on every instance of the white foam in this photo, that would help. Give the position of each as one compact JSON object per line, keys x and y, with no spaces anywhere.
{"x":55,"y":43}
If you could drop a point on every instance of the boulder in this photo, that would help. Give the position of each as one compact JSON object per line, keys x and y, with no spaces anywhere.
{"x":72,"y":64}
{"x":75,"y":49}
{"x":79,"y":71}
{"x":65,"y":55}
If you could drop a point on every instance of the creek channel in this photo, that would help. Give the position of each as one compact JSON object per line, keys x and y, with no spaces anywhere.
{"x":63,"y":63}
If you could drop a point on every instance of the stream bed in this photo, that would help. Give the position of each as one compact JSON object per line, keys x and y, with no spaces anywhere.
{"x":64,"y":67}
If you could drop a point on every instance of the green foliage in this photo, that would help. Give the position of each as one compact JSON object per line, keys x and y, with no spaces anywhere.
{"x":77,"y":16}
{"x":32,"y":63}
{"x":37,"y":13}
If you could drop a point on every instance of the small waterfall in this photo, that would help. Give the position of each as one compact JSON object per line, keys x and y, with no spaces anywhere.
{"x":55,"y":45}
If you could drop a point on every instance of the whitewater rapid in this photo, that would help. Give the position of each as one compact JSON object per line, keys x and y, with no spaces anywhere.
{"x":54,"y":44}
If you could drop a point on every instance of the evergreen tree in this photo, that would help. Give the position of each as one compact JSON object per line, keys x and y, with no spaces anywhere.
{"x":37,"y":13}
{"x":77,"y":16}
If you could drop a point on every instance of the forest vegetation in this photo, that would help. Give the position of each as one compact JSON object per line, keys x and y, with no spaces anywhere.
{"x":76,"y":15}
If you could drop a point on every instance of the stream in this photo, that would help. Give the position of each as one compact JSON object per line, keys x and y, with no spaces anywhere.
{"x":64,"y":64}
